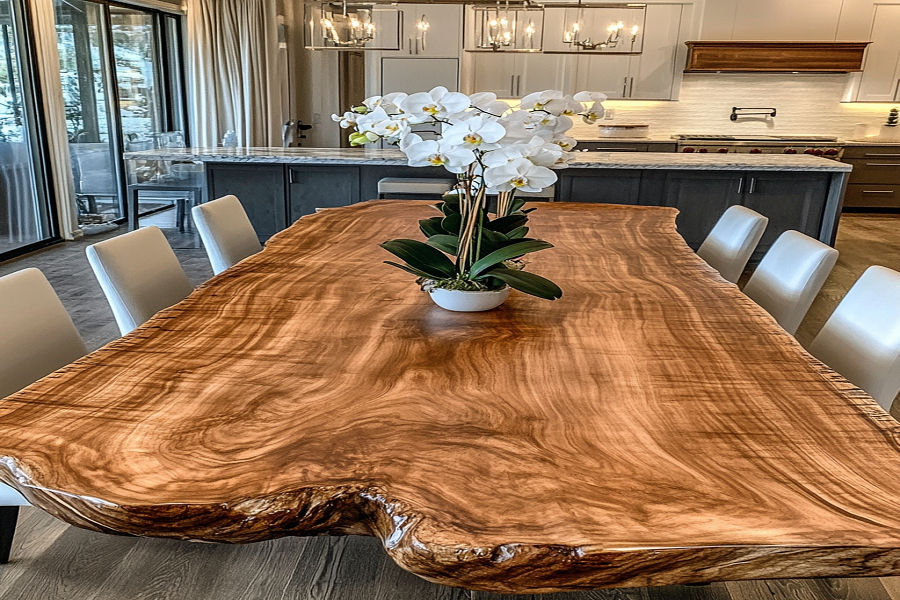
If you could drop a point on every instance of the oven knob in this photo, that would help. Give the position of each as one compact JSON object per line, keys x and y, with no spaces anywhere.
{"x":756,"y":151}
{"x":809,"y":151}
{"x":703,"y":150}
{"x":722,"y":150}
{"x":818,"y":152}
{"x":831,"y":152}
{"x":790,"y":151}
{"x":687,"y":149}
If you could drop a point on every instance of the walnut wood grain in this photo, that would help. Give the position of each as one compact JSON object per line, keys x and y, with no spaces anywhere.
{"x":840,"y":57}
{"x":653,"y":426}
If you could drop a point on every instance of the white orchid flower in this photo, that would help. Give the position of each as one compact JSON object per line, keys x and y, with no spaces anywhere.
{"x":372,"y":102}
{"x":393,"y":129}
{"x":475,"y":133}
{"x":408,"y":140}
{"x":439,"y":103}
{"x":590,"y":97}
{"x":486,"y":103}
{"x":504,"y":155}
{"x":347,"y":120}
{"x":434,"y":153}
{"x":537,"y":100}
{"x":391,"y":102}
{"x":565,"y":142}
{"x":371,"y":124}
{"x":544,"y":154}
{"x":520,"y":174}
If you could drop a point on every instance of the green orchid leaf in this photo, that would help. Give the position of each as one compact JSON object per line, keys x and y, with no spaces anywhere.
{"x":517,"y":233}
{"x":452,"y":223}
{"x":507,"y":224}
{"x":432,"y":226}
{"x":491,"y":241}
{"x":516,"y":205}
{"x":527,"y":282}
{"x":423,"y":257}
{"x":445,"y":243}
{"x":528,"y":210}
{"x":506,"y":253}
{"x":410,"y":269}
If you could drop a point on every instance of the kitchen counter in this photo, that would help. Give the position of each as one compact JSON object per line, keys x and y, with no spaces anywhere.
{"x":584,"y":160}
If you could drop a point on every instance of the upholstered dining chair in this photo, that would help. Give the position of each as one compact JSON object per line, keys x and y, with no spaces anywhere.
{"x":37,"y":337}
{"x":139,"y":274}
{"x":861,"y":339}
{"x":732,"y":240}
{"x":226,"y":231}
{"x":789,"y":276}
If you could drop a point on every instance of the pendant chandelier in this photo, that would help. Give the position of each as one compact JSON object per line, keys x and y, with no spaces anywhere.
{"x":505,"y":28}
{"x":352,"y":26}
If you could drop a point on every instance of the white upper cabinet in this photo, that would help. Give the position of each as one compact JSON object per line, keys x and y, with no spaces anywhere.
{"x":441,"y":39}
{"x":650,"y":75}
{"x":880,"y":81}
{"x":771,"y":20}
{"x":516,"y":74}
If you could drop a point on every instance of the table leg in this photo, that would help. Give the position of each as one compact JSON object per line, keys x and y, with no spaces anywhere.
{"x":8,"y":517}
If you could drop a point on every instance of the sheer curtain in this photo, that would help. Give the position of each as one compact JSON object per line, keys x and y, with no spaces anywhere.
{"x":234,"y":75}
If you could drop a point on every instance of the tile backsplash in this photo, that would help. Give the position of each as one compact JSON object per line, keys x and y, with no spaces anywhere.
{"x":806,"y":103}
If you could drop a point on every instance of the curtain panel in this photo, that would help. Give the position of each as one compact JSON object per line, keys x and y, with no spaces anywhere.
{"x":234,"y":76}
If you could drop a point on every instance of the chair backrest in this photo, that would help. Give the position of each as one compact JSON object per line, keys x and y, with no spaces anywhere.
{"x":226,"y":231}
{"x":140,"y":275}
{"x":729,"y":245}
{"x":789,"y":276}
{"x":92,"y":167}
{"x":37,"y":335}
{"x":861,"y":339}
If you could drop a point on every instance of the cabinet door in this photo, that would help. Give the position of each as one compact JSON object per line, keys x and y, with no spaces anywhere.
{"x":260,"y":189}
{"x":611,"y":186}
{"x":881,"y":73}
{"x":701,"y":198}
{"x":443,"y":38}
{"x":418,"y":74}
{"x":790,"y":200}
{"x":607,"y":73}
{"x":495,"y":72}
{"x":652,"y":73}
{"x":321,"y":187}
{"x":775,"y":20}
{"x":539,"y":72}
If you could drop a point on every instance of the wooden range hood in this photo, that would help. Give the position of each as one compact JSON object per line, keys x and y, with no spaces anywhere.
{"x":762,"y":57}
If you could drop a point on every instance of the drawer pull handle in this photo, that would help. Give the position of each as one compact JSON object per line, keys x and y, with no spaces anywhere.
{"x":883,"y":164}
{"x":613,"y":150}
{"x":880,"y":154}
{"x":878,"y":191}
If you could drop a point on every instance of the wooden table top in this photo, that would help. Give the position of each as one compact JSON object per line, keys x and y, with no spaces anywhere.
{"x":651,"y":427}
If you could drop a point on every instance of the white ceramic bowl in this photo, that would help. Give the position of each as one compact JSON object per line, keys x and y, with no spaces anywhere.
{"x":460,"y":301}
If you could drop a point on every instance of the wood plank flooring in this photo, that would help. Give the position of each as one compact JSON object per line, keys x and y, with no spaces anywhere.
{"x":53,"y":561}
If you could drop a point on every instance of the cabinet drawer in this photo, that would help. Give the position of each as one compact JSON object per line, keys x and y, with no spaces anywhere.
{"x":874,"y":170}
{"x":863,"y":195}
{"x":875,"y":152}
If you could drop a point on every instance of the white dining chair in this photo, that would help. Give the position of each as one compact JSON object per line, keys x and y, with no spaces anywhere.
{"x":37,"y":337}
{"x":861,"y":338}
{"x":732,"y":241}
{"x":789,"y":276}
{"x":226,"y":231}
{"x":139,"y":274}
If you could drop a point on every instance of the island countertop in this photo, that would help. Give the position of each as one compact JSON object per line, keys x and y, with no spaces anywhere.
{"x":584,"y":160}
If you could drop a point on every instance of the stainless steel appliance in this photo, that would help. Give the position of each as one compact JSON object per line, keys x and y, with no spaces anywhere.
{"x":826,"y":147}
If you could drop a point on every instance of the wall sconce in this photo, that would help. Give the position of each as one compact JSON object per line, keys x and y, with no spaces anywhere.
{"x":351,"y":26}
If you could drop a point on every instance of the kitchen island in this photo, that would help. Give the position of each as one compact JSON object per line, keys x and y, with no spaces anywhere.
{"x":279,"y":185}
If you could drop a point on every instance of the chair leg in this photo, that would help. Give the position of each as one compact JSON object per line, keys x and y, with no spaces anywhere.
{"x":8,"y":517}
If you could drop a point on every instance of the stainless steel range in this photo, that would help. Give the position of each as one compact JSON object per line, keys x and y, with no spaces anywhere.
{"x":826,"y":147}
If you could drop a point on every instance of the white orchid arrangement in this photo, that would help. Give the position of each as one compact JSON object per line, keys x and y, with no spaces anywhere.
{"x":492,"y":148}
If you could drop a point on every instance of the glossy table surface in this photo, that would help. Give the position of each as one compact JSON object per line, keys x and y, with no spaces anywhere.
{"x":651,"y":427}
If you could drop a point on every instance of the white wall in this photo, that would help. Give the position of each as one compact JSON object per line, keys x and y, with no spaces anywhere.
{"x":806,"y":103}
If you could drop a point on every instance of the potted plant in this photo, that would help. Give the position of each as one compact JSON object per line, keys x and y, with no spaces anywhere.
{"x":470,"y":257}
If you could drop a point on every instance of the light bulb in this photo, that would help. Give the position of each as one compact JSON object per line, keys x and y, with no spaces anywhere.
{"x":576,"y":27}
{"x":492,"y":22}
{"x":504,"y":22}
{"x":634,"y":30}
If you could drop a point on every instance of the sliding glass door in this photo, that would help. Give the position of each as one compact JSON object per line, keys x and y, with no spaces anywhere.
{"x":25,"y":211}
{"x":122,"y":88}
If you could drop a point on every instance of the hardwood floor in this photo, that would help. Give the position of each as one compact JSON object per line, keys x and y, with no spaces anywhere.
{"x":51,"y":560}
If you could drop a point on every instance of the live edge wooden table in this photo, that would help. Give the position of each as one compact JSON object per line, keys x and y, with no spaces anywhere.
{"x":651,"y":427}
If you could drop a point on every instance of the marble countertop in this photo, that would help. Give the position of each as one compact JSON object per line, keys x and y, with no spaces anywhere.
{"x":585,"y":160}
